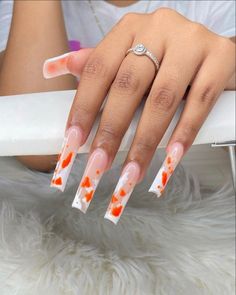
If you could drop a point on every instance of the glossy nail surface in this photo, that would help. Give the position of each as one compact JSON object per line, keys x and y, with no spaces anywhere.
{"x":94,"y":170}
{"x":70,"y":146}
{"x":123,"y":190}
{"x":171,"y":161}
{"x":56,"y":66}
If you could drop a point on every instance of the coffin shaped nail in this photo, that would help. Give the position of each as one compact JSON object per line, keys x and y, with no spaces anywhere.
{"x":172,"y":159}
{"x":70,"y":146}
{"x":94,"y":170}
{"x":56,"y":66}
{"x":123,"y":190}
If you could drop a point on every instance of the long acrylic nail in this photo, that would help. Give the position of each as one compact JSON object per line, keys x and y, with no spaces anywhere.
{"x":56,"y":66}
{"x":123,"y":190}
{"x":172,"y":159}
{"x":70,"y":146}
{"x":94,"y":170}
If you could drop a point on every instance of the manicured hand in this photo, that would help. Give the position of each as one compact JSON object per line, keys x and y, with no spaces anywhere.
{"x":189,"y":54}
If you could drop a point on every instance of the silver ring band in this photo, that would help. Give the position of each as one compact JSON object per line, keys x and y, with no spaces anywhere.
{"x":140,"y":49}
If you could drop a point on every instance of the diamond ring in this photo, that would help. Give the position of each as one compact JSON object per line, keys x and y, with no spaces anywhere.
{"x":140,"y":49}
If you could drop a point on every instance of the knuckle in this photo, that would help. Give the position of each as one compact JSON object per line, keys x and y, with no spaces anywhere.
{"x":94,"y":68}
{"x":162,"y":98}
{"x":188,"y":130}
{"x":128,"y":17}
{"x":164,"y":11}
{"x":208,"y":95}
{"x":81,"y":115}
{"x":225,"y":44}
{"x":143,"y":146}
{"x":196,"y":28}
{"x":108,"y":133}
{"x":126,"y":81}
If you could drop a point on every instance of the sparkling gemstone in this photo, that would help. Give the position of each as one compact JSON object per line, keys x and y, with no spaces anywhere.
{"x":140,"y":48}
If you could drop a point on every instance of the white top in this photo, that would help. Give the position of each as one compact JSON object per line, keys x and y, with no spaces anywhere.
{"x":218,"y":16}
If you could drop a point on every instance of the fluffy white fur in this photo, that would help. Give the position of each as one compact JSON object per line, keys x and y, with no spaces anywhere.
{"x":179,"y":245}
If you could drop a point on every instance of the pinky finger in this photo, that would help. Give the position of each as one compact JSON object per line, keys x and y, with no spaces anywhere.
{"x":68,"y":63}
{"x":207,"y":86}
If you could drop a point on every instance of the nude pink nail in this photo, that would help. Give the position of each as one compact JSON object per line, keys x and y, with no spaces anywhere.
{"x":56,"y":66}
{"x":174,"y":155}
{"x":70,"y":146}
{"x":123,"y":190}
{"x":94,"y":170}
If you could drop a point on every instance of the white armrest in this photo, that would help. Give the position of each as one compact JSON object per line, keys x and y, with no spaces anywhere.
{"x":33,"y":124}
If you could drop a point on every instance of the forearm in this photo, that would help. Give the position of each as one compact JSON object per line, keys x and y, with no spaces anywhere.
{"x":37,"y":32}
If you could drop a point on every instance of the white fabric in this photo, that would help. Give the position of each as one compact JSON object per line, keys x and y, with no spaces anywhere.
{"x":218,"y":16}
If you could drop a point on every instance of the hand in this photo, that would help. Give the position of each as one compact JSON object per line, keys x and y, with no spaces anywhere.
{"x":189,"y":54}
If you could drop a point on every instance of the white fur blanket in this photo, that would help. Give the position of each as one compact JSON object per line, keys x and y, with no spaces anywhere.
{"x":179,"y":245}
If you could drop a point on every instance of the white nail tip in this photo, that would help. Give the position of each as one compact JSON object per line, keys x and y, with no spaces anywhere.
{"x":155,"y":192}
{"x":61,"y":71}
{"x":110,"y":218}
{"x":79,"y":207}
{"x":61,"y":188}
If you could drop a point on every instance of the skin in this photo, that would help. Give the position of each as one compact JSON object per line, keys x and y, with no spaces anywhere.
{"x":29,"y":57}
{"x":205,"y":60}
{"x":25,"y":53}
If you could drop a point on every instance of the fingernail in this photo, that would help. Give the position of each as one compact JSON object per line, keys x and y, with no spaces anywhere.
{"x":70,"y":146}
{"x":123,"y":190}
{"x":56,"y":66}
{"x":94,"y":170}
{"x":174,"y":155}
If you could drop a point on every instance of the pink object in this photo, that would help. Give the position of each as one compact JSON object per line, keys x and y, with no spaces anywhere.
{"x":94,"y":170}
{"x":56,"y":66}
{"x":123,"y":190}
{"x":70,"y":146}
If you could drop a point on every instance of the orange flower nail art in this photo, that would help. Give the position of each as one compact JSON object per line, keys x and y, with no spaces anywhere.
{"x":123,"y":190}
{"x":171,"y":161}
{"x":66,"y":158}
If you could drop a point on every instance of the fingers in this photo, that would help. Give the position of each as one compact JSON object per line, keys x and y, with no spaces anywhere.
{"x":68,"y":63}
{"x":96,"y":77}
{"x":165,"y":95}
{"x":125,"y":95}
{"x":206,"y":88}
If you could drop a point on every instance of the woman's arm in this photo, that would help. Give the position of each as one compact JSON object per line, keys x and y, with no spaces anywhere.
{"x":37,"y":32}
